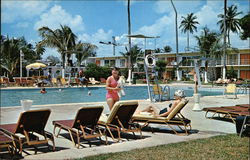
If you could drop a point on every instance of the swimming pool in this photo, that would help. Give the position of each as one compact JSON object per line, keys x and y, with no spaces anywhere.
{"x":12,"y":97}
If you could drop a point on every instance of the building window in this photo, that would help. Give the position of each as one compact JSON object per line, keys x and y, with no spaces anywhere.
{"x":232,"y":59}
{"x":122,"y":63}
{"x":112,"y":63}
{"x":98,"y":62}
{"x":245,"y":59}
{"x":106,"y":62}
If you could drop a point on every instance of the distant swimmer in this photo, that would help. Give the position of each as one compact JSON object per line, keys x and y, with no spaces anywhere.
{"x":89,"y":93}
{"x":60,"y":90}
{"x":43,"y":91}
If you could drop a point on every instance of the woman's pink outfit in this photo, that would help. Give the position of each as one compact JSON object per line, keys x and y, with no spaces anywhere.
{"x":112,"y":93}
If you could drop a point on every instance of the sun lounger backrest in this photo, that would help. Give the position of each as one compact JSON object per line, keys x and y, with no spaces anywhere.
{"x":177,"y":109}
{"x":231,"y":88}
{"x":33,"y":120}
{"x":123,"y":110}
{"x":87,"y":116}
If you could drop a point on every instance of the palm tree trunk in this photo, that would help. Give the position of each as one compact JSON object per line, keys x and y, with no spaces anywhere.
{"x":187,"y":40}
{"x":129,"y":44}
{"x":225,"y":39}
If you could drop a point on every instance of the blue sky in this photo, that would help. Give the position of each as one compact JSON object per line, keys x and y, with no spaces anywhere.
{"x":94,"y":21}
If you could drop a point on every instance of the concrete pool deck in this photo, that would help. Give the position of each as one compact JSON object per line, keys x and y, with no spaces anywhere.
{"x":201,"y":128}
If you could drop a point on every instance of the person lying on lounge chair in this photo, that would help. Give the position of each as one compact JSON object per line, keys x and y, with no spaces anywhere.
{"x":152,"y":109}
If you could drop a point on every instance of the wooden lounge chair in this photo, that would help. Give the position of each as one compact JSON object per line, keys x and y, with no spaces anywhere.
{"x":231,"y":89}
{"x":64,"y":82}
{"x":24,"y":81}
{"x":119,"y":119}
{"x":6,"y":142}
{"x":6,"y":81}
{"x":174,"y":118}
{"x":30,"y":129}
{"x":226,"y":113}
{"x":83,"y":126}
{"x":54,"y":82}
{"x":103,"y":80}
{"x":160,"y":93}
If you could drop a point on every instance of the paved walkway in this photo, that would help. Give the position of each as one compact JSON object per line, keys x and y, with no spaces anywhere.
{"x":201,"y":128}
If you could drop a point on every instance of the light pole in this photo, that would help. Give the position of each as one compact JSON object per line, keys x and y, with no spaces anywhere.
{"x":112,"y":43}
{"x":177,"y":46}
{"x":21,"y":66}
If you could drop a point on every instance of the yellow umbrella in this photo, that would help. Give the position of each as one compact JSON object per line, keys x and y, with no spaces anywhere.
{"x":36,"y":66}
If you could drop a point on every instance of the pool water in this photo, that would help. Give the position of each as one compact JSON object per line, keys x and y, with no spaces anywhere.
{"x":12,"y":97}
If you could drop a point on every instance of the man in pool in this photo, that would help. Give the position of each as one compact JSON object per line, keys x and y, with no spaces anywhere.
{"x":43,"y":91}
{"x":178,"y":95}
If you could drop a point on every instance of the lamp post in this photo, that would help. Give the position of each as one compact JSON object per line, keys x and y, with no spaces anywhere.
{"x":113,"y":43}
{"x":21,"y":66}
{"x":177,"y":45}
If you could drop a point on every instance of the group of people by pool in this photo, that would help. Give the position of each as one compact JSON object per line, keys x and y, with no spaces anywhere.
{"x":112,"y":96}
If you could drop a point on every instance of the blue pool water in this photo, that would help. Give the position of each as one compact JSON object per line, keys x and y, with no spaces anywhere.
{"x":79,"y":95}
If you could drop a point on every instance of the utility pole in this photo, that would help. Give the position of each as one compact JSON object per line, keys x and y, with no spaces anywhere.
{"x":21,"y":65}
{"x":113,"y":43}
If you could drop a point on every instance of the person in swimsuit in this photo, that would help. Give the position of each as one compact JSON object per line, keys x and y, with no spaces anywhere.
{"x":112,"y":88}
{"x":178,"y":95}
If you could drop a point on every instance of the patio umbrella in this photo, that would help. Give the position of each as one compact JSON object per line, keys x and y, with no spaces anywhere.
{"x":36,"y":66}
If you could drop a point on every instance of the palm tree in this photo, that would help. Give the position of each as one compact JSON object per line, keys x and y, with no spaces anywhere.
{"x":209,"y":45}
{"x":158,"y":50}
{"x":188,"y":25}
{"x":62,"y":39}
{"x":53,"y":60}
{"x":160,"y":67}
{"x":167,"y":49}
{"x":134,"y":53}
{"x":83,"y":51}
{"x":245,"y":26}
{"x":10,"y":54}
{"x":232,"y":22}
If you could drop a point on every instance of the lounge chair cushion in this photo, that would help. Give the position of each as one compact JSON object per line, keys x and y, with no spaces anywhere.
{"x":169,"y":117}
{"x":117,"y":105}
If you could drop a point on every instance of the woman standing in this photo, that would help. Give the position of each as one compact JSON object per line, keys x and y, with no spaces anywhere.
{"x":112,"y":88}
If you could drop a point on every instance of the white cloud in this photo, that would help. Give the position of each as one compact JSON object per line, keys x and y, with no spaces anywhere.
{"x":21,"y":10}
{"x":95,"y":38}
{"x":237,"y":42}
{"x":208,"y":16}
{"x":56,"y":16}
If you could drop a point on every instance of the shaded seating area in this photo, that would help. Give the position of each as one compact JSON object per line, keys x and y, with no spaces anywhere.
{"x":30,"y":129}
{"x":227,"y":113}
{"x":120,"y":120}
{"x":5,"y":82}
{"x":175,"y":118}
{"x":83,"y":126}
